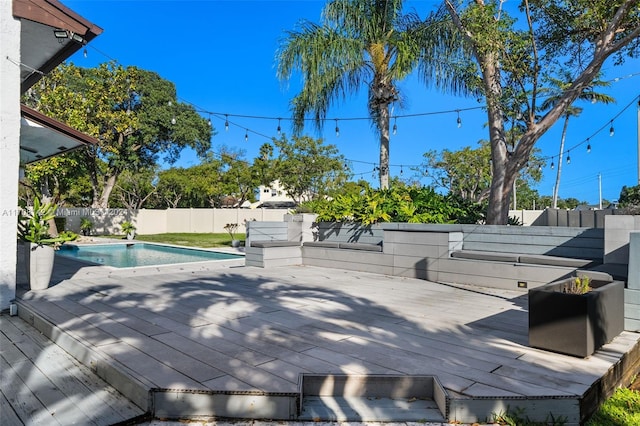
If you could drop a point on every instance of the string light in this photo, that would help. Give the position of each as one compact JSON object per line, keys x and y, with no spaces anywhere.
{"x":209,"y":122}
{"x":459,"y":120}
{"x":395,"y":126}
{"x":246,"y":135}
{"x":337,"y":129}
{"x":588,"y":146}
{"x":401,"y":171}
{"x":226,"y":123}
{"x":173,"y":120}
{"x":612,"y":131}
{"x":552,"y":165}
{"x":568,"y":157}
{"x":279,"y":128}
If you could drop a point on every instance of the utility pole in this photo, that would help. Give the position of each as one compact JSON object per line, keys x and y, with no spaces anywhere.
{"x":600,"y":189}
{"x":638,"y":125}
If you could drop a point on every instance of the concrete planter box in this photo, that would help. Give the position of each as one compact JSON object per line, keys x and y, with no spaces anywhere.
{"x":575,"y":324}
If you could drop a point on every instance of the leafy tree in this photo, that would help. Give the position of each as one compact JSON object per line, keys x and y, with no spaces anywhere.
{"x":466,"y":173}
{"x":171,"y":187}
{"x":514,"y":60}
{"x":629,"y":196}
{"x":557,"y":88}
{"x":240,"y":179}
{"x":135,"y":190}
{"x":372,"y":44}
{"x":61,"y":178}
{"x":133,"y":113}
{"x":307,"y":168}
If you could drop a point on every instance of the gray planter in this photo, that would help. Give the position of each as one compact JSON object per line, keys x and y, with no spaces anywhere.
{"x":575,"y":324}
{"x":39,"y":265}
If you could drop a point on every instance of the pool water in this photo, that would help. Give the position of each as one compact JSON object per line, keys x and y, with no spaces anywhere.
{"x":139,"y":254}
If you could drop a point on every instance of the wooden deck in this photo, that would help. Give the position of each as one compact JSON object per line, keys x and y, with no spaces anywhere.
{"x":171,"y":337}
{"x":40,"y":384}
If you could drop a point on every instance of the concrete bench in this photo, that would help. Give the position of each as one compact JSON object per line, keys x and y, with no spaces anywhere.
{"x":361,"y":246}
{"x":341,"y":245}
{"x":529,"y":259}
{"x":269,"y":244}
{"x":270,"y":253}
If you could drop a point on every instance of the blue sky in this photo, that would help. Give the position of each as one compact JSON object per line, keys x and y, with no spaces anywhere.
{"x":220,"y":55}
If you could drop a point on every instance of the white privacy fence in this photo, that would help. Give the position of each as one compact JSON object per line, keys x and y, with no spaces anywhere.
{"x":108,"y":221}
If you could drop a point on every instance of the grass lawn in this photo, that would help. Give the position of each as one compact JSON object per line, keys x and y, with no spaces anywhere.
{"x":205,"y":240}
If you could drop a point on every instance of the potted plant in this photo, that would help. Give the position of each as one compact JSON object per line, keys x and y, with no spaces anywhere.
{"x":86,"y":226}
{"x":38,"y":244}
{"x":576,"y":316}
{"x":128,"y":229}
{"x":231,"y":229}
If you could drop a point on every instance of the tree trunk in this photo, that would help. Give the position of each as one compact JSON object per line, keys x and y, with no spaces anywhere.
{"x":103,"y":201}
{"x":560,"y":157}
{"x":383,"y":127}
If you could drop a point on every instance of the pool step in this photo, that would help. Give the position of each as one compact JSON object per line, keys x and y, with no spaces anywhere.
{"x":371,"y":398}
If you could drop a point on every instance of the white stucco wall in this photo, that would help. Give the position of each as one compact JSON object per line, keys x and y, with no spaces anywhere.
{"x":9,"y":149}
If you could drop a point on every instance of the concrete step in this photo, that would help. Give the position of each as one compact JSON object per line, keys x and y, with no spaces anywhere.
{"x":371,"y":398}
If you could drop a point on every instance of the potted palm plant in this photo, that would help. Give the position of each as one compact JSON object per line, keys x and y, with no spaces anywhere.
{"x":576,"y":316}
{"x":128,"y":229}
{"x":38,"y":244}
{"x":86,"y":226}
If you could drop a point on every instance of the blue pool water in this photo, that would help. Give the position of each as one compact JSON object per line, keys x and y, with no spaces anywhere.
{"x":139,"y":254}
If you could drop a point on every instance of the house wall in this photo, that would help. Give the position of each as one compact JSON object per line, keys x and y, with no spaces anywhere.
{"x":9,"y":149}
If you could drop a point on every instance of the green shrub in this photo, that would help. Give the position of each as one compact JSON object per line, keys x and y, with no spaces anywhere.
{"x":399,"y":204}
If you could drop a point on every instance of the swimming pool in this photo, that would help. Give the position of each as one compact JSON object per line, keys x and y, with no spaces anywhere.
{"x":139,"y":254}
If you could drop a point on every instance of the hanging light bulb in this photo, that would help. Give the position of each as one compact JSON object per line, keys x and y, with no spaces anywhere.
{"x":459,"y":120}
{"x":552,"y":165}
{"x":246,"y":135}
{"x":588,"y":146}
{"x":401,"y":171}
{"x":337,"y":129}
{"x":593,"y":98}
{"x":612,"y":131}
{"x":209,"y":122}
{"x":226,"y":123}
{"x":84,"y":52}
{"x":568,"y":158}
{"x":395,"y":126}
{"x":279,"y":128}
{"x":173,"y":120}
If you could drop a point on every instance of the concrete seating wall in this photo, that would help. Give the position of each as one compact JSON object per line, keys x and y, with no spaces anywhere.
{"x":424,"y":251}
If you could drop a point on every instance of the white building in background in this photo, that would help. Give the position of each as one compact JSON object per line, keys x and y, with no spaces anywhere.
{"x":273,"y":196}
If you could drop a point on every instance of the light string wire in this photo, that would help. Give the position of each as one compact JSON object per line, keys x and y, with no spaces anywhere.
{"x":225,"y":116}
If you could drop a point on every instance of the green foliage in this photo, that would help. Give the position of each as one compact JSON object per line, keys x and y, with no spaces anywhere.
{"x":127,"y":227}
{"x":520,"y":52}
{"x":86,"y":225}
{"x":398,"y":204}
{"x":622,"y":409}
{"x":629,"y":196}
{"x":579,"y":285}
{"x":372,"y":45}
{"x":514,"y":221}
{"x":133,"y":113}
{"x":307,"y":168}
{"x":205,"y":240}
{"x":518,"y":417}
{"x":34,"y":223}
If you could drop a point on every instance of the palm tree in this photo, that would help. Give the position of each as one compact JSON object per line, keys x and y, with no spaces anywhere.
{"x":367,"y":43}
{"x":559,"y":86}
